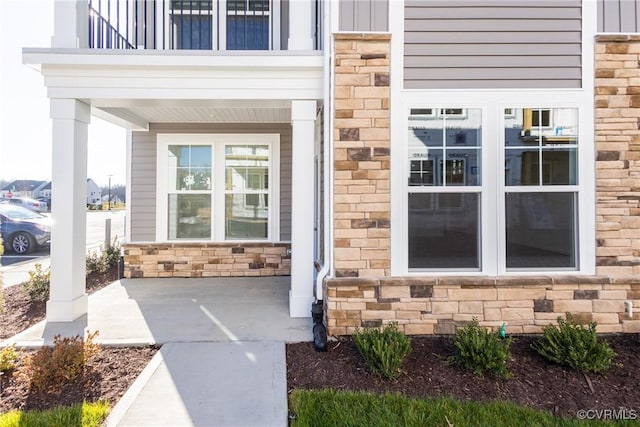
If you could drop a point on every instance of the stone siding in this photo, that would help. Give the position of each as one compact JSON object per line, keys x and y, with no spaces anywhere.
{"x":427,"y":306}
{"x":206,"y":259}
{"x":362,"y":203}
{"x":617,"y":115}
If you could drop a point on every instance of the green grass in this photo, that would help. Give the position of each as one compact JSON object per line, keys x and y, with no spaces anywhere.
{"x":328,"y":408}
{"x":85,"y":415}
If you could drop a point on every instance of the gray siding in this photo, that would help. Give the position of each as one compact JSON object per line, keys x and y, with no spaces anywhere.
{"x":618,"y":16}
{"x":492,"y":44}
{"x":143,"y":173}
{"x":364,"y":15}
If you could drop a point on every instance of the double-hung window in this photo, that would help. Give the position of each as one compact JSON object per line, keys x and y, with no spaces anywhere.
{"x":493,"y":189}
{"x":217,"y":187}
{"x":444,"y":184}
{"x":541,"y":188}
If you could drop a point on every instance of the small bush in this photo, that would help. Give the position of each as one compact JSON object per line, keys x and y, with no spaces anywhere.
{"x":574,"y":345}
{"x":50,"y":368}
{"x":383,"y":350}
{"x":37,"y":287}
{"x":481,"y":351}
{"x":8,"y":358}
{"x":95,"y":263}
{"x":111,"y":254}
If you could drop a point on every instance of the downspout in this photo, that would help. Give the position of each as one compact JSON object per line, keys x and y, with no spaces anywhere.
{"x":317,"y":308}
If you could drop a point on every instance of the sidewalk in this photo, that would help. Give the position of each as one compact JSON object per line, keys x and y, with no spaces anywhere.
{"x":223,"y":358}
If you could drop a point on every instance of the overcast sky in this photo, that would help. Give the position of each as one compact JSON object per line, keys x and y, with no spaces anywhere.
{"x":25,"y":126}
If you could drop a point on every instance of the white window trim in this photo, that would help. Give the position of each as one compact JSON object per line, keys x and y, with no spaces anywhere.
{"x":492,"y":234}
{"x":218,"y":142}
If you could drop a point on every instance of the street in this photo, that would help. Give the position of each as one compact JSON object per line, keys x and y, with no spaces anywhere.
{"x":96,"y":221}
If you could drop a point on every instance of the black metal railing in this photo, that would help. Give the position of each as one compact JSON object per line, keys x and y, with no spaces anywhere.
{"x":190,"y":24}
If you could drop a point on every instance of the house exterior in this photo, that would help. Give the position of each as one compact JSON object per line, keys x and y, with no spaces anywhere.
{"x":94,"y":193}
{"x":23,"y":188}
{"x":423,"y":162}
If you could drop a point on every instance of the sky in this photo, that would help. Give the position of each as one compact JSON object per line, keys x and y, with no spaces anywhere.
{"x":25,"y":126}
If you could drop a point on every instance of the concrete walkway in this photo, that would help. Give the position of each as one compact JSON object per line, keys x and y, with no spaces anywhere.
{"x":222,"y":362}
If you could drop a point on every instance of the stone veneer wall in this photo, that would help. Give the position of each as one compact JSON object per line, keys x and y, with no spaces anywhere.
{"x":436,"y":305}
{"x":425,"y":306}
{"x":362,"y":203}
{"x":617,"y":98}
{"x":206,"y":259}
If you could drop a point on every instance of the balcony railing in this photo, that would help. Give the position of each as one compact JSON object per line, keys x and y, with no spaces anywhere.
{"x":194,"y":24}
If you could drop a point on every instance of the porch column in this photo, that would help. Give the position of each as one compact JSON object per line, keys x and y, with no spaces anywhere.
{"x":68,"y":298}
{"x":70,"y":24}
{"x":300,"y":25}
{"x":303,"y":116}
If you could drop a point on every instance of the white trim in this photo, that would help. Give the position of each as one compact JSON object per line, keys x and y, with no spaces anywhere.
{"x":218,"y":142}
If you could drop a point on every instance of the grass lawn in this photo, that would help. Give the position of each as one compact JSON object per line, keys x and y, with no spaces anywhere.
{"x":328,"y":408}
{"x":85,"y":415}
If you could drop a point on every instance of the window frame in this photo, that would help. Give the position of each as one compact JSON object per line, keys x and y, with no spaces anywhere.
{"x":218,"y":191}
{"x":493,"y":104}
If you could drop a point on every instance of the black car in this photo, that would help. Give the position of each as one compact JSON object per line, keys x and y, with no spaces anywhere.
{"x":23,"y":230}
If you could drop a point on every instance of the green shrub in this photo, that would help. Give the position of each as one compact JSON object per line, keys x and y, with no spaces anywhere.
{"x":383,"y":350}
{"x":50,"y":368}
{"x":8,"y":358}
{"x":574,"y":345}
{"x":95,"y":263}
{"x":100,"y":262}
{"x":480,"y":351}
{"x":37,"y":287}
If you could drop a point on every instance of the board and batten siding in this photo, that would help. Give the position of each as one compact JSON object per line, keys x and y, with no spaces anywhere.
{"x":364,"y":15}
{"x":144,"y":174}
{"x":618,"y":16}
{"x":492,"y":44}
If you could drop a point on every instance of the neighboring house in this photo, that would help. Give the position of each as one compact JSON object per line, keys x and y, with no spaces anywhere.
{"x":94,"y":193}
{"x":45,"y":191}
{"x":23,"y":188}
{"x":424,"y":162}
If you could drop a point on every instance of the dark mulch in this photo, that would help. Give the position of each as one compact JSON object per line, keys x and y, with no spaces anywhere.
{"x":107,"y":376}
{"x":535,"y":382}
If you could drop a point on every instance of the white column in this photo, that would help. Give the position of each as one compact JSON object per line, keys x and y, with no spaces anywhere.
{"x":70,"y":24}
{"x":68,"y":298}
{"x":300,"y":25}
{"x":303,"y":117}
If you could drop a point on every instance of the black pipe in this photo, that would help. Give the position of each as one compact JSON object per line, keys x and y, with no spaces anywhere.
{"x":319,"y":330}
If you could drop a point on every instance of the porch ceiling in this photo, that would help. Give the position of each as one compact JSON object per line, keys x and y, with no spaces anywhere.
{"x":194,"y":114}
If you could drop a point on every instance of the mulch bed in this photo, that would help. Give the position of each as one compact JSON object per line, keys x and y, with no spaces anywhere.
{"x":535,"y":382}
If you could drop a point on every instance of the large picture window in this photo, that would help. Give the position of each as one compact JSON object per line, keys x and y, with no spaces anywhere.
{"x":217,"y":187}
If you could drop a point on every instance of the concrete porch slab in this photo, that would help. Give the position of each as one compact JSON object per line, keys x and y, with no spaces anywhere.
{"x":158,"y":311}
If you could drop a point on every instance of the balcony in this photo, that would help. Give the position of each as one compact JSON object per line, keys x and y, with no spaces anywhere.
{"x":220,"y":25}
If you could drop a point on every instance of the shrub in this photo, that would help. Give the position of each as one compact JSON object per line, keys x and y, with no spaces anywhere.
{"x":8,"y":358}
{"x":383,"y":350}
{"x":37,"y":287}
{"x":574,"y":345}
{"x":480,"y":351}
{"x":50,"y":368}
{"x":95,"y":263}
{"x":111,"y":254}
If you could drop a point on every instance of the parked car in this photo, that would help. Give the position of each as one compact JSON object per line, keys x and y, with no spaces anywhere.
{"x":46,"y":200}
{"x":23,"y":230}
{"x":32,"y":204}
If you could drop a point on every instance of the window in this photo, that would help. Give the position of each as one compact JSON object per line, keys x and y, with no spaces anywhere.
{"x":444,"y":188}
{"x":521,"y":215}
{"x":217,"y":187}
{"x":541,"y":177}
{"x":223,"y":24}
